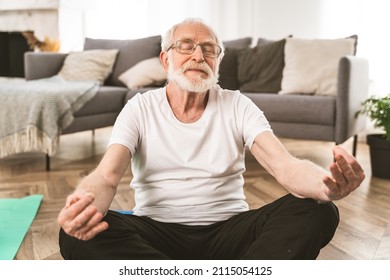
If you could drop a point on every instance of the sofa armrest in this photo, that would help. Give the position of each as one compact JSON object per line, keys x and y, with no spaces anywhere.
{"x":42,"y":65}
{"x":352,"y":89}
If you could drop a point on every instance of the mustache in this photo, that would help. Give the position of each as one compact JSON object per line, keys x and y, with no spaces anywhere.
{"x":191,"y":65}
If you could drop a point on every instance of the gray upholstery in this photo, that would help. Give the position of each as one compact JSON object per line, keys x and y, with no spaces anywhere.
{"x":352,"y":89}
{"x":303,"y":131}
{"x":108,"y":99}
{"x":91,"y":122}
{"x":238,"y":43}
{"x":296,"y":108}
{"x":130,"y":53}
{"x":327,"y":118}
{"x":132,"y":92}
{"x":42,"y":65}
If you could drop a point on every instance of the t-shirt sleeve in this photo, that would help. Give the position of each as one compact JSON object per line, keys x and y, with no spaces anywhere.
{"x":252,"y":120}
{"x":126,"y":130}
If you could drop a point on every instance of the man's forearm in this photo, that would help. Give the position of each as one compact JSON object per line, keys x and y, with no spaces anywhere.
{"x":304,"y":179}
{"x":103,"y":181}
{"x":102,"y":191}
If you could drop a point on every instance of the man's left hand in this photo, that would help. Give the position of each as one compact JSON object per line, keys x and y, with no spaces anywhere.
{"x":346,"y":175}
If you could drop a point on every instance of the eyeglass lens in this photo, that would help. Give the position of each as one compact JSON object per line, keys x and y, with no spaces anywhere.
{"x":188,"y":47}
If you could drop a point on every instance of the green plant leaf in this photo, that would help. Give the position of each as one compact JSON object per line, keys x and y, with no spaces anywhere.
{"x":377,"y":109}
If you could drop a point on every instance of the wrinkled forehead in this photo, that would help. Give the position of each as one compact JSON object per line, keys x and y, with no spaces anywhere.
{"x":195,"y":32}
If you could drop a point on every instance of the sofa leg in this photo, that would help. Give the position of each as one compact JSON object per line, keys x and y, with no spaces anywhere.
{"x":93,"y":132}
{"x":354,"y":145}
{"x":47,"y":162}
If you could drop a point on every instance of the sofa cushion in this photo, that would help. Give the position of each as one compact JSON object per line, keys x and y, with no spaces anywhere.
{"x":228,"y":70}
{"x":93,"y":65}
{"x":311,"y":65}
{"x":264,"y":41}
{"x":132,"y":92}
{"x":260,"y":68}
{"x":130,"y":53}
{"x":241,"y":43}
{"x":108,"y":99}
{"x":148,"y":72}
{"x":304,"y":109}
{"x":228,"y":67}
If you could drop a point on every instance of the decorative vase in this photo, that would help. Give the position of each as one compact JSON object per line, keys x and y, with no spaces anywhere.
{"x":380,"y":155}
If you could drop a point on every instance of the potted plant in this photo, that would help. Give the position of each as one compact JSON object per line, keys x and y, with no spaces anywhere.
{"x":377,"y":109}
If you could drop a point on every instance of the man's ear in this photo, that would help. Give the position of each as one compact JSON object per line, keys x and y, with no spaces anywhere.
{"x":164,"y":60}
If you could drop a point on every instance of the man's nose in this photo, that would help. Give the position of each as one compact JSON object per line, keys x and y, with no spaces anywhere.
{"x":198,"y":53}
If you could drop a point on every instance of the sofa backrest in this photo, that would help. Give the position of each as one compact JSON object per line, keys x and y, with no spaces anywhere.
{"x":130,"y":53}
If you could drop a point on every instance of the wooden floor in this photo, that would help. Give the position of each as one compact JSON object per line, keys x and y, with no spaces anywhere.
{"x":364,"y":231}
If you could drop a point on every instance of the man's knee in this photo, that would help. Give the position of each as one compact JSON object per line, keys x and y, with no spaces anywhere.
{"x":317,"y":220}
{"x":328,"y":220}
{"x":330,"y":211}
{"x":72,"y":248}
{"x":66,"y":244}
{"x":321,"y":214}
{"x":325,"y":210}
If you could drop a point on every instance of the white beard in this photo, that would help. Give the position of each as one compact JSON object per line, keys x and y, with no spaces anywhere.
{"x":198,"y":84}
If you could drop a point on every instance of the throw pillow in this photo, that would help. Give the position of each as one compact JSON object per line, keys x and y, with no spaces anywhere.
{"x":93,"y":65}
{"x":228,"y":67}
{"x":228,"y":70}
{"x":260,"y":68}
{"x":130,"y":53}
{"x":311,"y":65}
{"x":148,"y":72}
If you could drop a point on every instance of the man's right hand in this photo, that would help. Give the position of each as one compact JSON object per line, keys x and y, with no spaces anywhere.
{"x":79,"y":218}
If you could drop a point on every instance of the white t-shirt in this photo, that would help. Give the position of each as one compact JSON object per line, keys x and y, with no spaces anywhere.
{"x":189,"y":173}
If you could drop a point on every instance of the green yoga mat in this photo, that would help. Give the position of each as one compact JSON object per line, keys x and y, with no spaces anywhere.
{"x":16,"y":216}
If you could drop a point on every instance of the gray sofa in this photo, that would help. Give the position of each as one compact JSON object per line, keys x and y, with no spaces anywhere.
{"x":313,"y":117}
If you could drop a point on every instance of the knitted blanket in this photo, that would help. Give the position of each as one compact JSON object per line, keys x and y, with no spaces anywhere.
{"x":33,"y":113}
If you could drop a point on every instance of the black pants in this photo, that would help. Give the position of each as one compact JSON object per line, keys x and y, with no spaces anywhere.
{"x":288,"y":228}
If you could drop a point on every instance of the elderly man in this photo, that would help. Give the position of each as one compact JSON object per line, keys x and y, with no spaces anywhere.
{"x":186,"y":143}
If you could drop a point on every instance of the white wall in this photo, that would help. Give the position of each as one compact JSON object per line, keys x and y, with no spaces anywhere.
{"x":332,"y":19}
{"x":278,"y":18}
{"x":273,"y":19}
{"x":231,"y":18}
{"x":130,"y":19}
{"x":40,"y":16}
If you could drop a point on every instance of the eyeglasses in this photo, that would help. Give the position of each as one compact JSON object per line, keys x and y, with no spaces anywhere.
{"x":188,"y":47}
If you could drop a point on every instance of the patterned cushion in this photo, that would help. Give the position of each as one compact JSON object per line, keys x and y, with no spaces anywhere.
{"x":93,"y":65}
{"x":311,"y":66}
